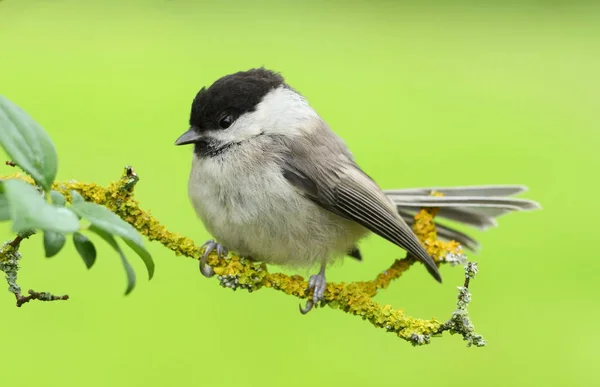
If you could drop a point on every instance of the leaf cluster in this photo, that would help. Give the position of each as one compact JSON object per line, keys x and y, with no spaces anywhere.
{"x":40,"y":208}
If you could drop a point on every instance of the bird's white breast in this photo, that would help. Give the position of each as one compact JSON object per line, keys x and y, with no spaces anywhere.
{"x":247,"y":205}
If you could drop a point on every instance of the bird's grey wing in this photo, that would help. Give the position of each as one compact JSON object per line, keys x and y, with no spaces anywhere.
{"x":475,"y":206}
{"x":329,"y":178}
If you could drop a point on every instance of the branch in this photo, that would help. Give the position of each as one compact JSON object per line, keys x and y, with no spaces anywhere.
{"x":236,"y":272}
{"x":460,"y":322}
{"x":42,"y":296}
{"x":9,"y":264}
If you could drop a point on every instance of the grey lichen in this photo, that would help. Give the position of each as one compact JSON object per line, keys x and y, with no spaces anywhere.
{"x":9,"y":264}
{"x":44,"y":296}
{"x":418,"y":339}
{"x":229,"y":281}
{"x":456,"y":258}
{"x":459,"y":321}
{"x":9,"y":260}
{"x":471,"y":270}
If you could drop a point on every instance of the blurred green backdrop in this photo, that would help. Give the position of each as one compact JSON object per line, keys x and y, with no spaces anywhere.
{"x":447,"y":93}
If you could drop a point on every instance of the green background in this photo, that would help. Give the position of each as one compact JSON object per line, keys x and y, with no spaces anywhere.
{"x":431,"y":94}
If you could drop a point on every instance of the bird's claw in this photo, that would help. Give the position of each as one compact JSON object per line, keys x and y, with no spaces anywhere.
{"x":307,"y":308}
{"x":209,"y":247}
{"x":317,"y":284}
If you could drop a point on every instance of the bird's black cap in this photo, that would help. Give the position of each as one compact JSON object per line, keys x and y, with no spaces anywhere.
{"x":233,"y":94}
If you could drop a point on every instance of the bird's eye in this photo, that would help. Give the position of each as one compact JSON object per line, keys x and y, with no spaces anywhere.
{"x":226,"y":121}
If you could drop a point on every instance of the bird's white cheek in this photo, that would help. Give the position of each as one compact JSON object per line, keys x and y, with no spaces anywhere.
{"x":284,"y":112}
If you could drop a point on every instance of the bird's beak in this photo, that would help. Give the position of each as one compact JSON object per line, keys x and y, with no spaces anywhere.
{"x":189,"y":137}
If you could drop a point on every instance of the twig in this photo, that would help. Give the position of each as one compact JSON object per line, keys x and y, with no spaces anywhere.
{"x":15,"y":243}
{"x":42,"y":296}
{"x":129,"y":179}
{"x":460,"y":321}
{"x":9,"y":264}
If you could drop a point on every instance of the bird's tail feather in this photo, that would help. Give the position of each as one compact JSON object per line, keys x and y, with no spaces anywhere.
{"x":474,"y":206}
{"x":475,"y":190}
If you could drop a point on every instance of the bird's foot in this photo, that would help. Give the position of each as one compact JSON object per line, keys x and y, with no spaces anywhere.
{"x":317,"y":284}
{"x":209,"y":247}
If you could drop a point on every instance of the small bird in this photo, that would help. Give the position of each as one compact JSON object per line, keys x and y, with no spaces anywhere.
{"x":271,"y":181}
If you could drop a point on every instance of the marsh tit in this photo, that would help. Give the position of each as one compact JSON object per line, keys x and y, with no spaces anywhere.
{"x":271,"y":181}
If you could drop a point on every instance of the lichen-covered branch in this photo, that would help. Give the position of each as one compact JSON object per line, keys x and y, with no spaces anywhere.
{"x":460,"y":322}
{"x":9,"y":264}
{"x":9,"y":261}
{"x":236,"y":272}
{"x":41,"y":296}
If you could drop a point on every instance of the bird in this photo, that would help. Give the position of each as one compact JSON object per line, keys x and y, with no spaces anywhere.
{"x":272,"y":182}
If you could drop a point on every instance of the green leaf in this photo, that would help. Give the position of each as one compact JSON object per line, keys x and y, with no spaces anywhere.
{"x":102,"y":218}
{"x":76,"y":197}
{"x":53,"y":243}
{"x":85,"y":248}
{"x":27,"y":144}
{"x":28,"y":210}
{"x":141,"y":251}
{"x":57,"y":198}
{"x":4,"y":213}
{"x":112,"y":241}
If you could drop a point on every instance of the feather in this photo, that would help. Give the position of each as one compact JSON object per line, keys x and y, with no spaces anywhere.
{"x":463,"y":201}
{"x":322,"y":169}
{"x":355,"y":253}
{"x":475,"y":206}
{"x":475,"y":190}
